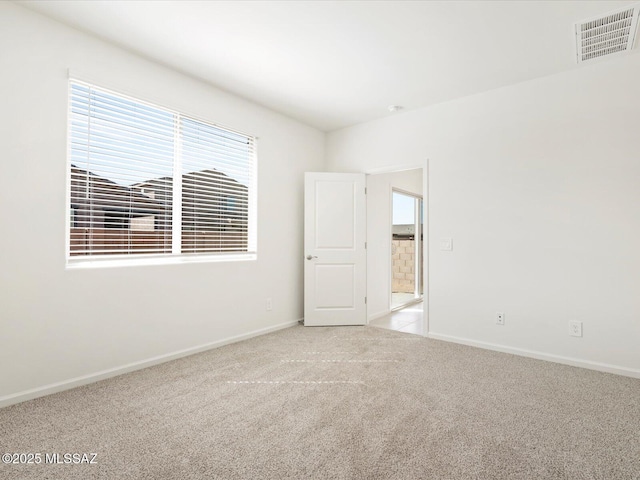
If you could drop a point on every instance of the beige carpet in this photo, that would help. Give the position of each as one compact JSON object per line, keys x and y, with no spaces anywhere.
{"x":337,"y":403}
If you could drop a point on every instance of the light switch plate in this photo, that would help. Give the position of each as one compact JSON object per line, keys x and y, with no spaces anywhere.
{"x":446,"y":244}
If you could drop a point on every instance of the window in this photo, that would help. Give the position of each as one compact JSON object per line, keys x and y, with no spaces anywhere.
{"x":148,"y":180}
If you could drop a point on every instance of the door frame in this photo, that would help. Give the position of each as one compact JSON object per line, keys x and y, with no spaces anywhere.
{"x":419,"y":254}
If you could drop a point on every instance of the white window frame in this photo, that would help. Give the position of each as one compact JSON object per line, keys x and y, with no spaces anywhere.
{"x":176,"y":256}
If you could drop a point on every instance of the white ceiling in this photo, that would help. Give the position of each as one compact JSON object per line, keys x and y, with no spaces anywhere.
{"x":336,"y":63}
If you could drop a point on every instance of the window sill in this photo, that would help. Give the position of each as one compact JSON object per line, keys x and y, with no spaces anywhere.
{"x":76,"y":263}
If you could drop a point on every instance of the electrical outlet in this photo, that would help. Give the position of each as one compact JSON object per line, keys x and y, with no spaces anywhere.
{"x":269,"y":304}
{"x":575,"y":329}
{"x":500,"y":318}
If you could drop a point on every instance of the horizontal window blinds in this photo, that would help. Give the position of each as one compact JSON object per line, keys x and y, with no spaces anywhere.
{"x":147,"y":180}
{"x":215,"y":205}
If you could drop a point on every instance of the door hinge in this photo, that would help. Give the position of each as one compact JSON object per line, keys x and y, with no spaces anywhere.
{"x":365,"y":190}
{"x":365,"y":300}
{"x":365,"y":245}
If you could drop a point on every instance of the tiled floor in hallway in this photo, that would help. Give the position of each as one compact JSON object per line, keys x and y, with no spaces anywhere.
{"x":408,"y":320}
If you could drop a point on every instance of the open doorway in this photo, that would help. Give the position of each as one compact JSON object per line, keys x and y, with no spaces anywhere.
{"x":380,"y":189}
{"x":407,"y":278}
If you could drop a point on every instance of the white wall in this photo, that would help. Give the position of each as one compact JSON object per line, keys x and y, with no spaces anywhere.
{"x":57,"y":324}
{"x":538,"y":184}
{"x":379,"y":188}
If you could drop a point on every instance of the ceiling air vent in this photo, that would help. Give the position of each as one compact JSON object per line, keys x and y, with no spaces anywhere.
{"x":608,"y":35}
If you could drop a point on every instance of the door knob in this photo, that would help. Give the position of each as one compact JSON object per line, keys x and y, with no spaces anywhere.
{"x":311,"y":257}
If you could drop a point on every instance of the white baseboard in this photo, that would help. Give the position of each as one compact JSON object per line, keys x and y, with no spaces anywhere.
{"x":574,"y":362}
{"x":113,"y":372}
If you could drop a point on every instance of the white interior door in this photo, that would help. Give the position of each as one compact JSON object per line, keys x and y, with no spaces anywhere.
{"x":335,"y":251}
